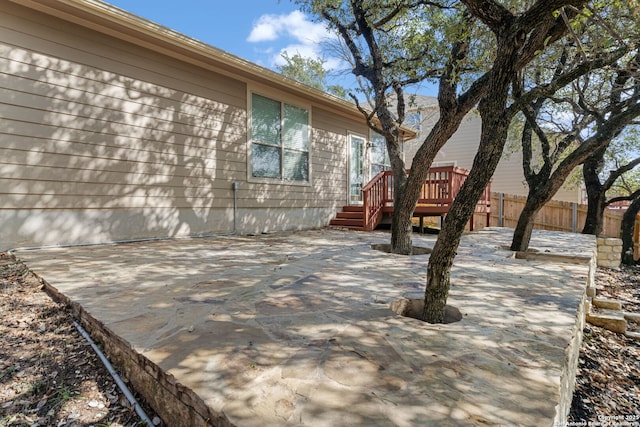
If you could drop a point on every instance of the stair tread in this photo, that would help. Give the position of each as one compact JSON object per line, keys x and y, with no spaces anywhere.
{"x":353,"y":208}
{"x":342,"y":221}
{"x":632,"y":335}
{"x":608,"y":314}
{"x":350,"y":215}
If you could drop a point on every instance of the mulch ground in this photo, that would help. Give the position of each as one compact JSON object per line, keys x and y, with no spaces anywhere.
{"x":50,"y":376}
{"x":608,"y":382}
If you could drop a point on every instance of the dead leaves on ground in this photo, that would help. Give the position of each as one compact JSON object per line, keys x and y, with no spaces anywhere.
{"x":49,"y":375}
{"x":608,"y":377}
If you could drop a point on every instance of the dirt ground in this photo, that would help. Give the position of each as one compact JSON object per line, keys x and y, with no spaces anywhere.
{"x":608,"y":379}
{"x":50,"y":376}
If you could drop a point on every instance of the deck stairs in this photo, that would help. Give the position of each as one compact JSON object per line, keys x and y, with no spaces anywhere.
{"x":436,"y":197}
{"x":351,"y":217}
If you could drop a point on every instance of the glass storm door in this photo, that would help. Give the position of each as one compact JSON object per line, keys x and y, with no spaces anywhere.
{"x":356,"y":169}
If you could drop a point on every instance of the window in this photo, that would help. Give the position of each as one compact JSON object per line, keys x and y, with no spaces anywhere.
{"x":379,"y":155}
{"x":413,"y":119}
{"x":279,"y":140}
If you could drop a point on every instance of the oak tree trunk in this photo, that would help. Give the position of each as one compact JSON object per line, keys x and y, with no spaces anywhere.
{"x":493,"y":135}
{"x":445,"y":249}
{"x":524,"y":228}
{"x":401,"y":226}
{"x":594,"y":221}
{"x":405,"y":201}
{"x":492,"y":140}
{"x":542,"y":190}
{"x":596,"y":193}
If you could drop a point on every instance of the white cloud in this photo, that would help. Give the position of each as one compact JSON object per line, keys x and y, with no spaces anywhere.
{"x":295,"y":24}
{"x":299,"y":35}
{"x":264,"y":30}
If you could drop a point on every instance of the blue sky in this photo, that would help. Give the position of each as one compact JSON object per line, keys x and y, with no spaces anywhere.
{"x":256,"y":30}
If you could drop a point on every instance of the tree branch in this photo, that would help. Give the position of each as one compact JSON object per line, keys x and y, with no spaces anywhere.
{"x":564,"y":79}
{"x":491,"y":13}
{"x":606,"y":132}
{"x":614,"y":175}
{"x":630,"y":197}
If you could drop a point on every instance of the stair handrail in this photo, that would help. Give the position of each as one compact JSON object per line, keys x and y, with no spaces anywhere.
{"x":374,"y":199}
{"x":441,"y":187}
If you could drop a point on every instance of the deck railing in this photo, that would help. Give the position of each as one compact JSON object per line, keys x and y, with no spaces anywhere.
{"x":375,"y":196}
{"x":436,"y":195}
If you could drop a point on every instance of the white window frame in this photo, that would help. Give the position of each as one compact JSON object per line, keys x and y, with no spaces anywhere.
{"x":386,"y":166}
{"x":411,"y":122}
{"x":283,"y":101}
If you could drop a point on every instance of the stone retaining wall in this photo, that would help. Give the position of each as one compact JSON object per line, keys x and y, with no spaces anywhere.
{"x":609,"y":252}
{"x":176,"y":404}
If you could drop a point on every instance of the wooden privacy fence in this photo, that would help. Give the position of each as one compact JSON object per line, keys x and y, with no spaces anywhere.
{"x":555,"y":215}
{"x":558,"y":216}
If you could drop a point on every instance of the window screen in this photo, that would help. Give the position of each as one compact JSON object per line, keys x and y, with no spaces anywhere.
{"x":280,"y":140}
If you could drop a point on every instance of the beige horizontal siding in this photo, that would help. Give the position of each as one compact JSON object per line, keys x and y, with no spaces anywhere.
{"x":20,"y":135}
{"x":172,"y":115}
{"x":139,"y":162}
{"x":102,"y":140}
{"x":67,"y":47}
{"x":331,"y":156}
{"x":508,"y":177}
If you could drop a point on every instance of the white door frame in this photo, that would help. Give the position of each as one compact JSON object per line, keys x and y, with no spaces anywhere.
{"x":361,"y":161}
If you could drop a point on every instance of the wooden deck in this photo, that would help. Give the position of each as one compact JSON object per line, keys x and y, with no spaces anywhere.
{"x":438,"y":193}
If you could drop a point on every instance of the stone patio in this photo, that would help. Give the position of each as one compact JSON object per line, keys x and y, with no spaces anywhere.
{"x":296,"y":328}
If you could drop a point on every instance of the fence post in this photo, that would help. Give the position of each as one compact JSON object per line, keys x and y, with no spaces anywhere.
{"x":500,"y":209}
{"x":574,"y":217}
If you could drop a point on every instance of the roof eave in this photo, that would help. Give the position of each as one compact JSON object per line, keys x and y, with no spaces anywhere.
{"x":113,"y":21}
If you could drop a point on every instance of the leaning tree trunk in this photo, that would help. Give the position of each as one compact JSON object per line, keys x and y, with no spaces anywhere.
{"x":542,"y":191}
{"x":443,"y":254}
{"x":405,"y":202}
{"x":595,"y":193}
{"x":492,"y":140}
{"x":493,"y":136}
{"x":401,"y":226}
{"x":536,"y":199}
{"x":626,"y":230}
{"x":445,"y":249}
{"x":524,"y":229}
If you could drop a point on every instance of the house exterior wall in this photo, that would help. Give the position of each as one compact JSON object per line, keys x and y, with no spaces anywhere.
{"x":462,"y":147}
{"x":106,"y":140}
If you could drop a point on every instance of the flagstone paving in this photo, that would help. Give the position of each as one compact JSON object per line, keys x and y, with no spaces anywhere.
{"x":296,"y":328}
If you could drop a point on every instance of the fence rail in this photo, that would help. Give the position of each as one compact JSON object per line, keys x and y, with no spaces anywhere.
{"x":555,"y":215}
